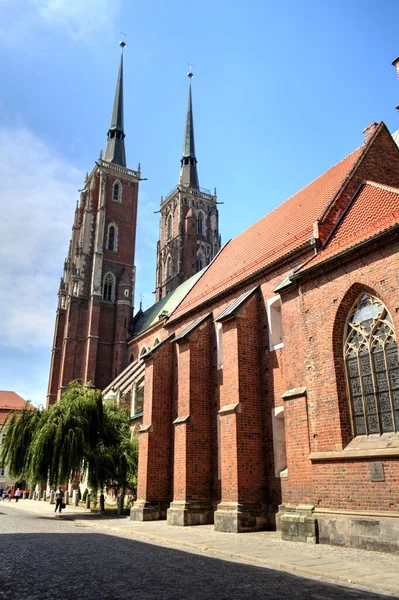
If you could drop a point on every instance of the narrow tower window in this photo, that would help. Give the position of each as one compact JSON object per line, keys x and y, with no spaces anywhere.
{"x":372,"y":366}
{"x":111,"y":238}
{"x":200,"y":224}
{"x":169,"y":227}
{"x":109,"y":288}
{"x":169,"y":268}
{"x":116,"y":193}
{"x":200,"y":261}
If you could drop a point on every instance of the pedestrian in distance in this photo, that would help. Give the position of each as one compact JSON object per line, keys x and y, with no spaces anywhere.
{"x":1,"y":492}
{"x":17,"y":494}
{"x":59,"y":497}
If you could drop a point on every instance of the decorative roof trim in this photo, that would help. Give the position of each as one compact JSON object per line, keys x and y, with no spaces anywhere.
{"x":231,"y":310}
{"x":190,"y":328}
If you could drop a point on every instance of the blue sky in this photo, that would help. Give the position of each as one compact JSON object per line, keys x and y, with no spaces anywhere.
{"x":282,"y":91}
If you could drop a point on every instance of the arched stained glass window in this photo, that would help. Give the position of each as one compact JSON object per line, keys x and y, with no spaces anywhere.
{"x":109,"y":288}
{"x":372,"y":365}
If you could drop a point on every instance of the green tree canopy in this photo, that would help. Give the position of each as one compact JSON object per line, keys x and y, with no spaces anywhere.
{"x":80,"y":433}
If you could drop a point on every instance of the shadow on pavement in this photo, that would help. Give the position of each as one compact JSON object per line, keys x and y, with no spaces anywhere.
{"x":83,"y":566}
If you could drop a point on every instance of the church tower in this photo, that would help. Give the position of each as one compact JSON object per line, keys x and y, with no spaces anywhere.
{"x":189,"y":229}
{"x":95,"y":299}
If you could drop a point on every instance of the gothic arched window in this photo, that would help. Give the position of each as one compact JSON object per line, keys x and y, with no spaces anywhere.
{"x":200,"y":261}
{"x":109,"y":288}
{"x":116,"y":192}
{"x":372,"y":366}
{"x":169,"y":267}
{"x":169,"y":226}
{"x":200,"y":224}
{"x":112,"y":237}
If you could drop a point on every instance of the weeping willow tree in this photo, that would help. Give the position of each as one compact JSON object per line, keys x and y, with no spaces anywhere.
{"x":78,"y":434}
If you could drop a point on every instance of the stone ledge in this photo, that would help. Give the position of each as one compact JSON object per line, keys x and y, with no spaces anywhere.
{"x":294,"y":393}
{"x":182,"y":419}
{"x":235,"y":407}
{"x":353,"y":454}
{"x":145,"y":428}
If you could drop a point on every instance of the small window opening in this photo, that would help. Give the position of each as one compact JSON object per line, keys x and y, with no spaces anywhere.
{"x":276,"y":339}
{"x":219,"y":345}
{"x":279,"y":443}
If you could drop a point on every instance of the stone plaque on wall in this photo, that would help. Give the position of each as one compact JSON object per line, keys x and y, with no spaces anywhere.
{"x":376,"y":470}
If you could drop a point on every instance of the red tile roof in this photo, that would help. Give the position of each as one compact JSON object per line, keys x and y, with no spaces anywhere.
{"x":11,"y":400}
{"x":284,"y":229}
{"x":374,"y":210}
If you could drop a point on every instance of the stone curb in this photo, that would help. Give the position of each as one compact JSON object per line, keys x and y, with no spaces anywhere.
{"x":265,"y":563}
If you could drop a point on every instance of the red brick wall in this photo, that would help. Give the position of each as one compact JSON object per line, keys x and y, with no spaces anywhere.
{"x":192,"y":450}
{"x":155,"y":450}
{"x":325,"y":302}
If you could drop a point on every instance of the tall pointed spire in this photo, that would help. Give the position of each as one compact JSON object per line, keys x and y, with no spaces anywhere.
{"x":115,"y":146}
{"x":188,"y":171}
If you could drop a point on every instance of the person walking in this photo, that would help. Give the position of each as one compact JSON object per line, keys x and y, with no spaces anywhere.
{"x":1,"y":492}
{"x":59,"y":497}
{"x":17,"y":494}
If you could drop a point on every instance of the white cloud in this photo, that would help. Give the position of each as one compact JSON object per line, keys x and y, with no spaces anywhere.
{"x":79,"y":17}
{"x":22,"y":21}
{"x":38,"y":191}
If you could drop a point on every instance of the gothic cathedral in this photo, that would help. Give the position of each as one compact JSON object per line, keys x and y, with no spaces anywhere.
{"x":95,"y":299}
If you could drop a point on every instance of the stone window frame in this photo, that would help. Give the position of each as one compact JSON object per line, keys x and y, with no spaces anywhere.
{"x":109,"y":294}
{"x":275,"y":323}
{"x":118,"y":198}
{"x":116,"y":237}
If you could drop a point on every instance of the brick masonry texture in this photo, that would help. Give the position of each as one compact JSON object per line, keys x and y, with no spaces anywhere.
{"x":239,"y":464}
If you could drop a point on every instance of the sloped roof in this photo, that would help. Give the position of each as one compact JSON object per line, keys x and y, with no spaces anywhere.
{"x":374,"y":210}
{"x":166,"y":305}
{"x":284,"y":229}
{"x":11,"y":401}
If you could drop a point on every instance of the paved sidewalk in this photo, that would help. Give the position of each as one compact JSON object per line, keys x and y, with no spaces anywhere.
{"x":375,"y":571}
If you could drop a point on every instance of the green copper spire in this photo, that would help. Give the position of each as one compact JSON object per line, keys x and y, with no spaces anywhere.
{"x":188,"y":171}
{"x":115,"y":147}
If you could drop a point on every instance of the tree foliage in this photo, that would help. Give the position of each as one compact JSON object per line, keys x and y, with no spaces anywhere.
{"x":79,"y":434}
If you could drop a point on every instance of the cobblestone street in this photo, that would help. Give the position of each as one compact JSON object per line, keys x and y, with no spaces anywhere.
{"x":50,"y":557}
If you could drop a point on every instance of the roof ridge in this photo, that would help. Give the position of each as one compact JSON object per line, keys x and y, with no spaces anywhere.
{"x":300,"y":190}
{"x":382,"y":186}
